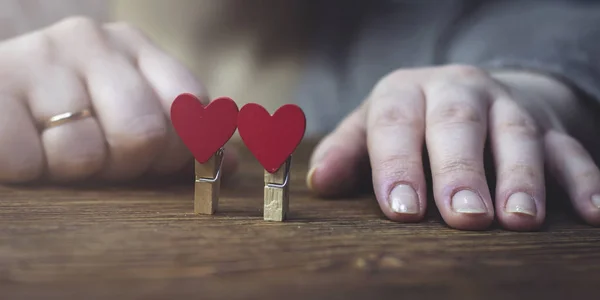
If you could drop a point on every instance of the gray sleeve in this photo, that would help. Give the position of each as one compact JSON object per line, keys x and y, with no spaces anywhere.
{"x":561,"y":38}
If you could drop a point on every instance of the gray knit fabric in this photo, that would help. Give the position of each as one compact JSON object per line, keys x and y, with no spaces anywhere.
{"x":358,"y":42}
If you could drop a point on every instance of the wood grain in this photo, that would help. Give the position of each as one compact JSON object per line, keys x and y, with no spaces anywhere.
{"x":143,"y":241}
{"x":276,"y":199}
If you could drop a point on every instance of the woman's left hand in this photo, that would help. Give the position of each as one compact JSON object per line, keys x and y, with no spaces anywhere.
{"x":451,"y":110}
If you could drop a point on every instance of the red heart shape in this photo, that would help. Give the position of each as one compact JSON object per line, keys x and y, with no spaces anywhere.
{"x":271,"y":139}
{"x":204,"y":129}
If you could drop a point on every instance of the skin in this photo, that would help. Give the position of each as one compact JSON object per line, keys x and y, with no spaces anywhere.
{"x":452,"y":110}
{"x":113,"y":69}
{"x":448,"y":111}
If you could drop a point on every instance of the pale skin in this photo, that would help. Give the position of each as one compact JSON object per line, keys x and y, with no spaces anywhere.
{"x":452,"y":110}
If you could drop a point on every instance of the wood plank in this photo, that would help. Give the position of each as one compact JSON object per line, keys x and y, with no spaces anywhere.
{"x":144,"y":242}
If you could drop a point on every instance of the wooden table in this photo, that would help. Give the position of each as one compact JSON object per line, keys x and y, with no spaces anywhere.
{"x":144,"y":242}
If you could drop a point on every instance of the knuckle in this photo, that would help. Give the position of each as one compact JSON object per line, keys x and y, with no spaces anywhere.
{"x":451,"y":112}
{"x":399,"y":166}
{"x":397,"y":115}
{"x":80,"y":32}
{"x":78,"y":38}
{"x":457,"y":166}
{"x":396,"y":103}
{"x":521,"y":171}
{"x":79,"y":24}
{"x":521,"y":126}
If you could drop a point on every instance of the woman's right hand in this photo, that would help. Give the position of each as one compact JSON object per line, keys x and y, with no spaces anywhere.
{"x":112,"y":70}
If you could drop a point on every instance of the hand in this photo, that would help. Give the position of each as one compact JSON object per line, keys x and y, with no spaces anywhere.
{"x":450,"y":110}
{"x":75,"y":65}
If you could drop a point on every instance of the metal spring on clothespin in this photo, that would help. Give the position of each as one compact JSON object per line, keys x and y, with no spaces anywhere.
{"x":217,"y":176}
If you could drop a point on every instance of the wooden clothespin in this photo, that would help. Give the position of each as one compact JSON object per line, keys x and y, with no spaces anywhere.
{"x":272,"y":140}
{"x":208,"y":184}
{"x":277,"y":193}
{"x":205,"y":130}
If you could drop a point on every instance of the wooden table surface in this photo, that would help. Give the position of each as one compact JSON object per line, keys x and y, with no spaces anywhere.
{"x":143,"y":242}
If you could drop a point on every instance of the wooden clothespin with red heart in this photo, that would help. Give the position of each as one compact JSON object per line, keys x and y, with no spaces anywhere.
{"x":205,"y":130}
{"x":272,"y":139}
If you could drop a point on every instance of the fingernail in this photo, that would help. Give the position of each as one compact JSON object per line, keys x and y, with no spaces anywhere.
{"x":309,"y":177}
{"x":596,"y":200}
{"x":521,"y":203}
{"x":467,"y":202}
{"x":404,"y":200}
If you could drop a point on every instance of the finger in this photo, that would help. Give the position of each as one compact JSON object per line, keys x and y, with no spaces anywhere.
{"x":74,"y":150}
{"x":335,"y":163}
{"x":21,"y":154}
{"x":395,"y":136}
{"x":517,"y":148}
{"x":168,"y":78}
{"x":574,"y":168}
{"x":456,"y":122}
{"x":133,"y":121}
{"x":128,"y":110}
{"x":75,"y":42}
{"x":167,"y":75}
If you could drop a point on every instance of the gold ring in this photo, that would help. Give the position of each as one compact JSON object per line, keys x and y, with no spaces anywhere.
{"x":67,"y":117}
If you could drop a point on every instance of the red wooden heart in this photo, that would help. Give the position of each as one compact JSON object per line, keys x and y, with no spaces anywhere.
{"x":204,"y":129}
{"x":271,"y":139}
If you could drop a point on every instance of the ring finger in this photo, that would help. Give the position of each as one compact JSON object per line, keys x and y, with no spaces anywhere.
{"x":517,"y":147}
{"x":76,"y":149}
{"x":126,"y":107}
